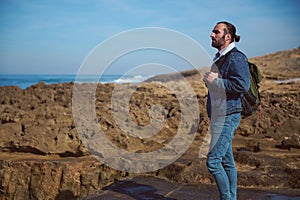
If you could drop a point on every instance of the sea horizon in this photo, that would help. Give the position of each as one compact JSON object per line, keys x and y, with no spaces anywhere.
{"x":26,"y":80}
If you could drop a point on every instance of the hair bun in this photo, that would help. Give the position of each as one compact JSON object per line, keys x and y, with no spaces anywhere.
{"x":237,"y":38}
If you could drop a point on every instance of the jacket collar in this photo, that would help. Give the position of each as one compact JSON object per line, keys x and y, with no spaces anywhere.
{"x":222,"y":52}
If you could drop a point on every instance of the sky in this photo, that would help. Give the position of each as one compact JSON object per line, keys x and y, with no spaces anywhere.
{"x":56,"y":36}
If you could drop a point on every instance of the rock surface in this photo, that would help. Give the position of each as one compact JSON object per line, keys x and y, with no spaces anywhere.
{"x":144,"y":187}
{"x":43,"y":157}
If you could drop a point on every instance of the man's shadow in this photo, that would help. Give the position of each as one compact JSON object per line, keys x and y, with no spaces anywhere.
{"x":136,"y":190}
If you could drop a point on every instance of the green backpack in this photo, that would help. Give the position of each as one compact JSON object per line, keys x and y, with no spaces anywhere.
{"x":251,"y":100}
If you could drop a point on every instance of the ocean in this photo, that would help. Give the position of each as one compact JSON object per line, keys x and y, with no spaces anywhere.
{"x":26,"y":80}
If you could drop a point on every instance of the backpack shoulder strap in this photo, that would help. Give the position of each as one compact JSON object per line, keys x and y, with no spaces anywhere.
{"x":255,"y":72}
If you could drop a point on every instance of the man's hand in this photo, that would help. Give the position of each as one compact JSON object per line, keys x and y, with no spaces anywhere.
{"x":210,"y":77}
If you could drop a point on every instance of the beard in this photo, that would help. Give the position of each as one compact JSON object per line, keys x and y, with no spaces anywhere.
{"x":218,"y":43}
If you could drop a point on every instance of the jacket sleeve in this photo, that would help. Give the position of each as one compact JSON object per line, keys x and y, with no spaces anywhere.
{"x":237,"y":78}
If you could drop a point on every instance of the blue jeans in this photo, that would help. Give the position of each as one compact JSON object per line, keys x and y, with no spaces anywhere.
{"x":220,"y":161}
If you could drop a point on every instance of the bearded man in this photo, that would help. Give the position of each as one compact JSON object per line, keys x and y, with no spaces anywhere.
{"x":227,"y":80}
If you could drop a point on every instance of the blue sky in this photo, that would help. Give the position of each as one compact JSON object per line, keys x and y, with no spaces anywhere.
{"x":55,"y":36}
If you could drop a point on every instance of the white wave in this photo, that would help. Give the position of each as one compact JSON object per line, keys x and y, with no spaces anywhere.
{"x":131,"y":79}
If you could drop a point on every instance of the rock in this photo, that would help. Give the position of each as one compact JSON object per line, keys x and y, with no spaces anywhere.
{"x":40,"y":179}
{"x":290,"y":142}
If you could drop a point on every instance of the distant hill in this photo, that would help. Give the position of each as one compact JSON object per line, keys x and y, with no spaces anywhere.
{"x":280,"y":65}
{"x":275,"y":66}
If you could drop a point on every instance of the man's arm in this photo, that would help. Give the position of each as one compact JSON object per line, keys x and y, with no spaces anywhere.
{"x":238,"y":79}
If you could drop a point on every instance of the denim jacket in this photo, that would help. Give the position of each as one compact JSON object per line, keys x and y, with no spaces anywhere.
{"x":225,"y":92}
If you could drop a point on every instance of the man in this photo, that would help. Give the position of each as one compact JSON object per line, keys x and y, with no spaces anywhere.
{"x":227,"y":81}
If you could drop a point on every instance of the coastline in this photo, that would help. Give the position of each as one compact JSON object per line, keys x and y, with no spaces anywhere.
{"x":24,"y":81}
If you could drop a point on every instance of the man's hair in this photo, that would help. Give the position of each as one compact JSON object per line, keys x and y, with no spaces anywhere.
{"x":230,"y":28}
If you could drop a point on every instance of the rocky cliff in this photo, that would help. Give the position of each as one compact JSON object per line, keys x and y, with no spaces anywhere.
{"x":43,"y":157}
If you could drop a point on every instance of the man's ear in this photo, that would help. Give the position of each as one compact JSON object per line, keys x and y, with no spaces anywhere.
{"x":228,"y":37}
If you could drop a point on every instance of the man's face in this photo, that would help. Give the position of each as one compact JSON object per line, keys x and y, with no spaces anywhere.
{"x":218,"y":36}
